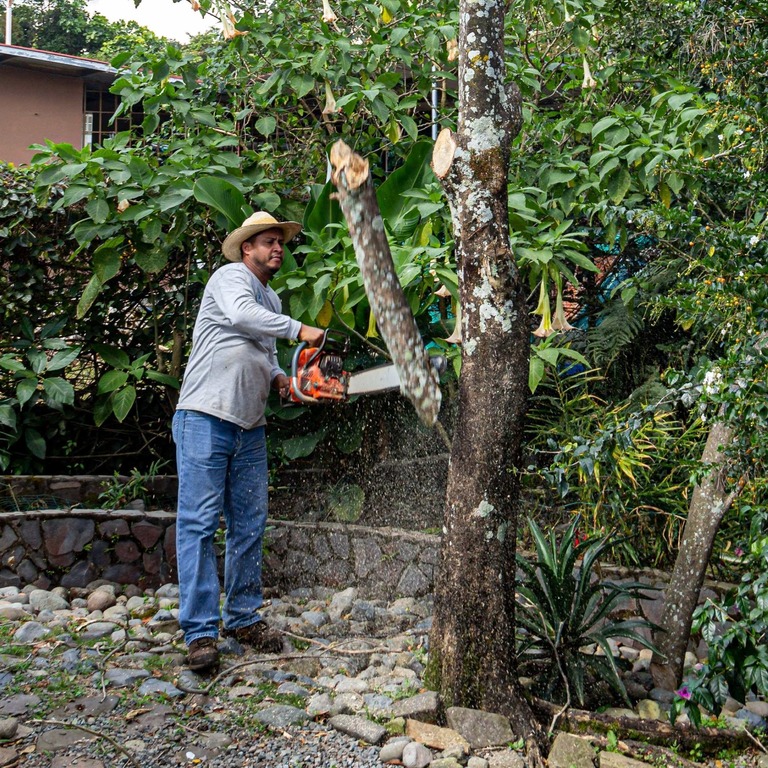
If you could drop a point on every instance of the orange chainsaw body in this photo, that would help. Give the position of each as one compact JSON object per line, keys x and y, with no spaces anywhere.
{"x":318,"y":374}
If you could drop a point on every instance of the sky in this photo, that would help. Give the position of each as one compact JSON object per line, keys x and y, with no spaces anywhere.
{"x":164,"y":17}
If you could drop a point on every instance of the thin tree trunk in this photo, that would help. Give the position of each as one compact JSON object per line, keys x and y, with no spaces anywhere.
{"x":390,"y":307}
{"x":709,"y":503}
{"x":472,"y":647}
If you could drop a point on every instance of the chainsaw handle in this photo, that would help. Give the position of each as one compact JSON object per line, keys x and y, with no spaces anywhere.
{"x":295,"y":388}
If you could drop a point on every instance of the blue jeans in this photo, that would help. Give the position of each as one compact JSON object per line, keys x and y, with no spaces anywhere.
{"x":222,"y":468}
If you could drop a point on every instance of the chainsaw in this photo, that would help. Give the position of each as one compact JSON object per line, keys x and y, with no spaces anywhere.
{"x":318,"y":375}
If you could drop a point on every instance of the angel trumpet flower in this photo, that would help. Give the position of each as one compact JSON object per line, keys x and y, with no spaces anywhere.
{"x":559,"y":323}
{"x":330,"y":101}
{"x":371,"y":331}
{"x":328,"y":15}
{"x":544,"y":309}
{"x":228,"y":24}
{"x":588,"y":81}
{"x":455,"y":337}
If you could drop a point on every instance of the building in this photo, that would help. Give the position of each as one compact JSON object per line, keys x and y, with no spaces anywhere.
{"x":55,"y":96}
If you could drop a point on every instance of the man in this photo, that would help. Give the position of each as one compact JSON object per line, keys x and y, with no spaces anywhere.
{"x":220,"y":441}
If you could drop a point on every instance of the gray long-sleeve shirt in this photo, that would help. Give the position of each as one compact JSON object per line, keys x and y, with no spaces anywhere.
{"x":233,"y":359}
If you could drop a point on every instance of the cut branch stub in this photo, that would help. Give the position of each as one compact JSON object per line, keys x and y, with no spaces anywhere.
{"x":443,"y":153}
{"x":357,"y":198}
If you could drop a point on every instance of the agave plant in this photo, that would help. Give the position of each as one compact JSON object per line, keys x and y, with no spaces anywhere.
{"x":564,"y":617}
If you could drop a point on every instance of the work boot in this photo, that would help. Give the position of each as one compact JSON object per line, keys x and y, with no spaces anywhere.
{"x":259,"y":636}
{"x":202,"y":654}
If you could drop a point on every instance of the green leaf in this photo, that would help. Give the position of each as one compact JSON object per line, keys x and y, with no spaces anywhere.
{"x":102,"y":411}
{"x":106,"y":264}
{"x":204,"y":117}
{"x":580,"y":260}
{"x":675,"y":183}
{"x":151,"y":259}
{"x":302,"y":84}
{"x":111,"y":381}
{"x":122,"y":401}
{"x":603,"y":125}
{"x":266,"y":125}
{"x":325,"y":211}
{"x":581,"y":37}
{"x":665,"y":195}
{"x":141,"y":173}
{"x":163,"y":378}
{"x":98,"y":210}
{"x":136,"y":212}
{"x":556,"y":176}
{"x":63,"y":359}
{"x":618,"y":185}
{"x":7,"y":416}
{"x":74,"y":194}
{"x":410,"y":126}
{"x":270,"y":82}
{"x":112,"y":356}
{"x":25,"y":389}
{"x":399,"y":211}
{"x":58,"y":390}
{"x":11,"y":364}
{"x":535,"y":372}
{"x":52,"y":174}
{"x":267,"y":201}
{"x":173,"y":198}
{"x":35,"y":442}
{"x":299,"y":447}
{"x":90,"y":294}
{"x":38,"y":360}
{"x":677,"y":100}
{"x":224,"y":197}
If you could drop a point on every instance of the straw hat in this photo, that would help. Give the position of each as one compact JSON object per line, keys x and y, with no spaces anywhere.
{"x":254,"y":224}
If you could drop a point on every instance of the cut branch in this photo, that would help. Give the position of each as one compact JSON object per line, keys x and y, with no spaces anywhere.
{"x":649,"y":731}
{"x":395,"y":320}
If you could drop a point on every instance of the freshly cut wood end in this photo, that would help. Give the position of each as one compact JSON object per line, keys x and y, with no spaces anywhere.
{"x":442,"y":155}
{"x":353,"y":167}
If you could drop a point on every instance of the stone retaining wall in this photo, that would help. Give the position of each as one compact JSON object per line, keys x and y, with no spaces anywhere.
{"x":73,"y":547}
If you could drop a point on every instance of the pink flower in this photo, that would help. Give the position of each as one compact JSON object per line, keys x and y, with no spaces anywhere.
{"x":684,"y":692}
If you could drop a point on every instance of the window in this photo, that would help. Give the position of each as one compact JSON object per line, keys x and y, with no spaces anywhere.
{"x":100,"y":106}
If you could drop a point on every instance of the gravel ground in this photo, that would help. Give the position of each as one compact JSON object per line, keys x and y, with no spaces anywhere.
{"x":99,"y":680}
{"x":69,"y":718}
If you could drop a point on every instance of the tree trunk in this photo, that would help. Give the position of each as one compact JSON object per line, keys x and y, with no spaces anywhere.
{"x":472,"y":648}
{"x":708,"y":505}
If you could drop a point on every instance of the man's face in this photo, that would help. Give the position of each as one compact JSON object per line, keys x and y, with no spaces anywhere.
{"x":263,"y":253}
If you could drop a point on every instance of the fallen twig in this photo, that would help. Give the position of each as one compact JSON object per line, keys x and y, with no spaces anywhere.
{"x":646,"y":731}
{"x":98,"y":734}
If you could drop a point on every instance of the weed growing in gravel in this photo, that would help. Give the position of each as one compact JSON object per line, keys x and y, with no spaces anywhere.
{"x":158,"y":662}
{"x":405,"y":691}
{"x":291,"y":699}
{"x":242,"y":715}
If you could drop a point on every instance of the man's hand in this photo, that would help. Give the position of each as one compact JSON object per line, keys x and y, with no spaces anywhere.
{"x":313,"y":336}
{"x":283,"y":385}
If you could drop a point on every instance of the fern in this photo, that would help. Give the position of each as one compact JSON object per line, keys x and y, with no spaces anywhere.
{"x":616,"y":328}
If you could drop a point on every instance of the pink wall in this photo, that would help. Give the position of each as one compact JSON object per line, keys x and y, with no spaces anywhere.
{"x":35,"y":106}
